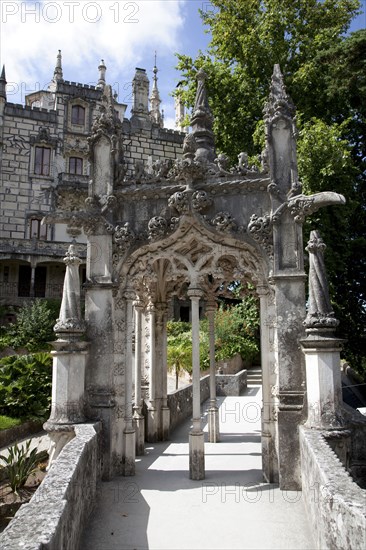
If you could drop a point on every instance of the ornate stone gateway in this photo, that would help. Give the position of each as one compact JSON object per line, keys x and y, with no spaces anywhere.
{"x":185,"y":229}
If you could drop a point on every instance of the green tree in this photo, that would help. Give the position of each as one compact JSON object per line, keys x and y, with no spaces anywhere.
{"x":325,"y":74}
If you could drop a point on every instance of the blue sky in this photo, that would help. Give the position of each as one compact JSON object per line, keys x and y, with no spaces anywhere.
{"x":124,"y":33}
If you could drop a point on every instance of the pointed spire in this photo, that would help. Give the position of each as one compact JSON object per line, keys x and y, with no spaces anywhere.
{"x":155,"y":100}
{"x":58,"y":74}
{"x":3,"y":83}
{"x":102,"y":70}
{"x":279,"y":102}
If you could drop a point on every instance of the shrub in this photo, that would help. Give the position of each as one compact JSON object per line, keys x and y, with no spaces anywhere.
{"x":34,"y":326}
{"x":25,"y":385}
{"x":19,"y":465}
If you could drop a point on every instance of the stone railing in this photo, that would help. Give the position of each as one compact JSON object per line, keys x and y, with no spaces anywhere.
{"x":335,"y":504}
{"x":79,"y":181}
{"x":59,"y":509}
{"x":180,"y":402}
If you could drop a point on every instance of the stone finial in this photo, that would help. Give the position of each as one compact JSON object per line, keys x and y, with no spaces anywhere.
{"x":202,"y":121}
{"x":70,"y":321}
{"x":58,"y":74}
{"x":3,"y":83}
{"x":155,"y":101}
{"x":279,"y":102}
{"x":320,"y":312}
{"x":102,"y":70}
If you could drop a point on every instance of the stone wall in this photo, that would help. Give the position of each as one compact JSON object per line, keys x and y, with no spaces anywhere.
{"x":57,"y":513}
{"x":231,"y":366}
{"x":180,"y":401}
{"x":231,"y":384}
{"x":335,"y":504}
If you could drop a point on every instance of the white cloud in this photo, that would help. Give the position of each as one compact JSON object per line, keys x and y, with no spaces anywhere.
{"x":123,"y":33}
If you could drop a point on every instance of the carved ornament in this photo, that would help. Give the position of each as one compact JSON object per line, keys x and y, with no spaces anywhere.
{"x":260,"y":228}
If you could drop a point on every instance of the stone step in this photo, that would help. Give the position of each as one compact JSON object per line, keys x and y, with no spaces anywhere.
{"x":254,"y":376}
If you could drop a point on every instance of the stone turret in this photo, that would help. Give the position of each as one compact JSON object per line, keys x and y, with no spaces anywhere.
{"x":102,"y":70}
{"x":155,"y":101}
{"x":179,"y":112}
{"x":140,"y":93}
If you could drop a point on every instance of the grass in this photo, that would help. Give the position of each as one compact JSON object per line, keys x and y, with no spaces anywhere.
{"x":8,"y":422}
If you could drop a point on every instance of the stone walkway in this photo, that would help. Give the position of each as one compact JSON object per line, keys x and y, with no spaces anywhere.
{"x":161,"y":508}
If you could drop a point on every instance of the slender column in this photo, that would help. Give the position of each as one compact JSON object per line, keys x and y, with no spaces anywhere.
{"x":152,"y":420}
{"x":129,"y":443}
{"x":165,"y":411}
{"x":138,"y":418}
{"x":213,"y":411}
{"x":196,"y":437}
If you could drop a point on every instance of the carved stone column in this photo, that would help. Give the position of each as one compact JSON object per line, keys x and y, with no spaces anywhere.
{"x":196,"y":436}
{"x":161,"y":343}
{"x":321,"y":348}
{"x":129,"y":443}
{"x":270,"y":400}
{"x":152,"y":413}
{"x":213,"y":411}
{"x":138,"y":418}
{"x":69,"y":358}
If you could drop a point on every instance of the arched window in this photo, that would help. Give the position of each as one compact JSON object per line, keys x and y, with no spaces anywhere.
{"x":78,"y":115}
{"x":37,"y":230}
{"x":75,"y":165}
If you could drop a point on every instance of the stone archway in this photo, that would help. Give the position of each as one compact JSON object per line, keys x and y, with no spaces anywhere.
{"x":194,"y":261}
{"x":153,"y":231}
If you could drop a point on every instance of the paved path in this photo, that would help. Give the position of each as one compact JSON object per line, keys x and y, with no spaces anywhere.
{"x":161,"y":508}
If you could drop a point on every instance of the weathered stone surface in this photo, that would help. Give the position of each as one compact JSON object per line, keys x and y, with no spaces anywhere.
{"x":180,"y":401}
{"x":59,"y":509}
{"x":231,"y":384}
{"x":334,"y":503}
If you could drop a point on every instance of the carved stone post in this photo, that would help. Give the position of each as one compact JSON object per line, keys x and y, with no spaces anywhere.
{"x":321,"y":348}
{"x":138,"y":418}
{"x":213,"y":411}
{"x":69,"y":358}
{"x":152,"y":416}
{"x":196,"y":436}
{"x":129,"y":443}
{"x":288,"y":279}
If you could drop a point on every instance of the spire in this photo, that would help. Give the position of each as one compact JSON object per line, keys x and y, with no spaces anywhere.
{"x":3,"y":83}
{"x":279,"y":102}
{"x":102,"y":70}
{"x":155,"y":100}
{"x":58,"y":75}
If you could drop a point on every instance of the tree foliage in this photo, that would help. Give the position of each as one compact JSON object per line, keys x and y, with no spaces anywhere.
{"x":25,"y":385}
{"x":325,"y":74}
